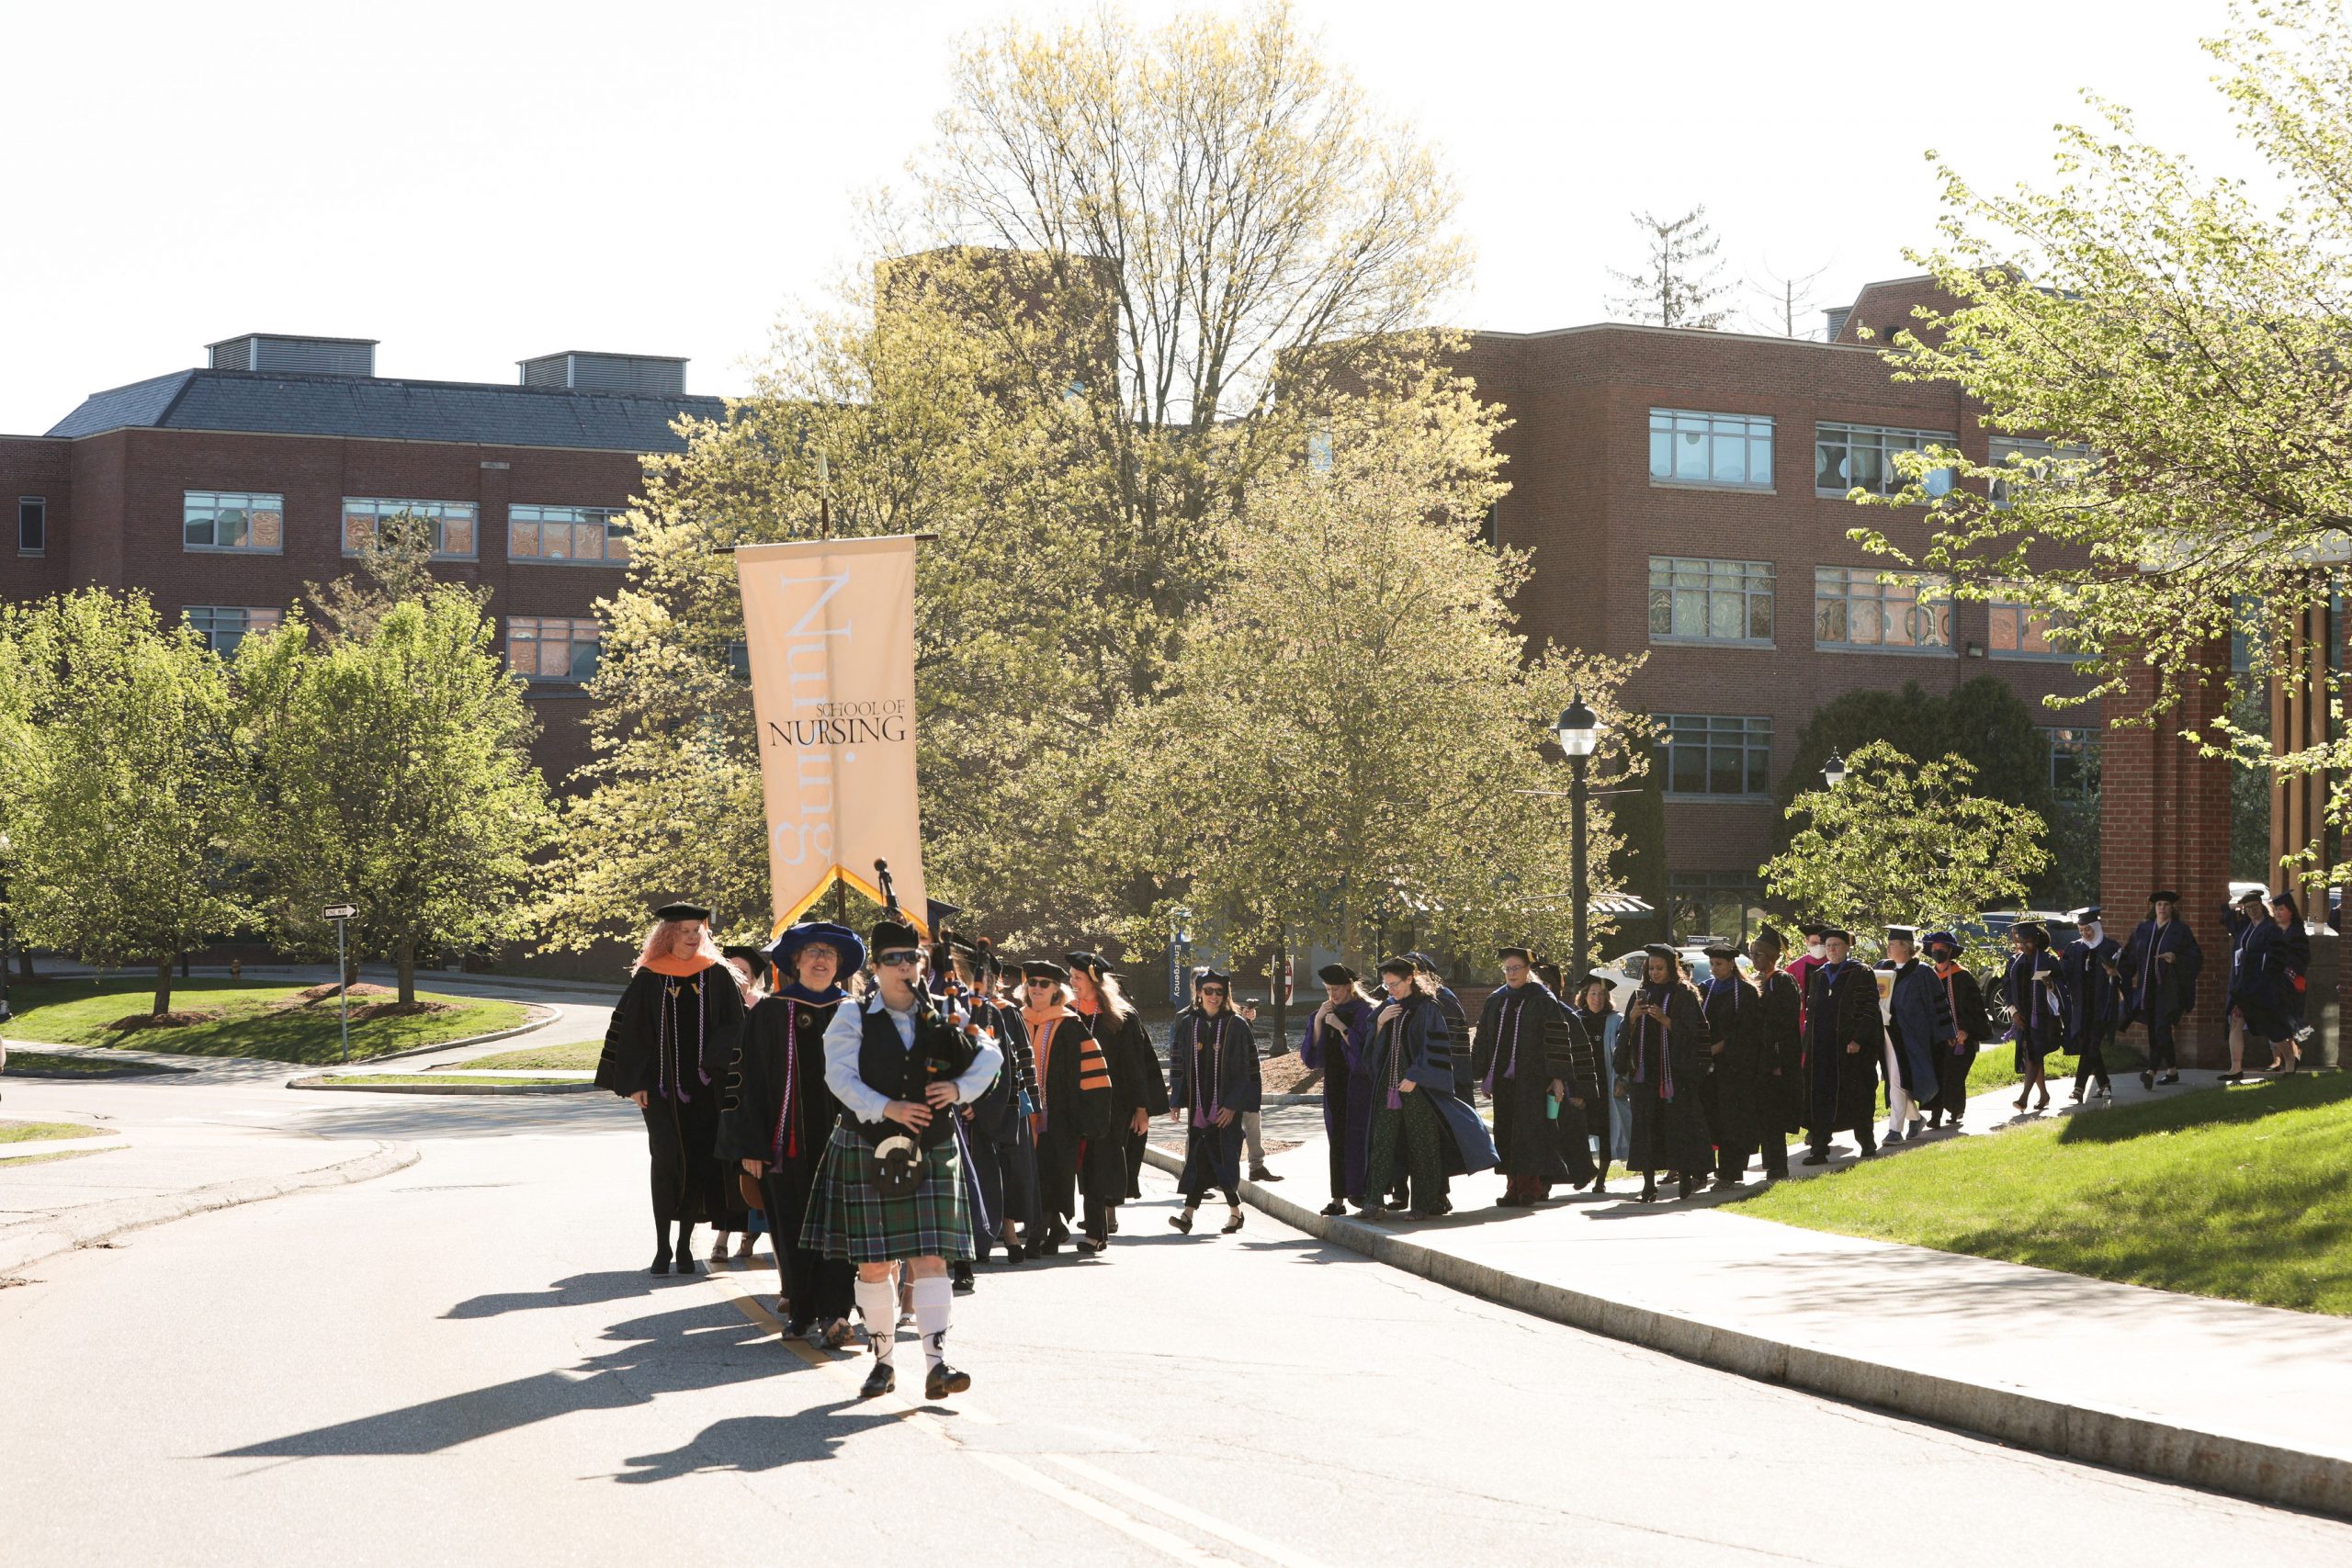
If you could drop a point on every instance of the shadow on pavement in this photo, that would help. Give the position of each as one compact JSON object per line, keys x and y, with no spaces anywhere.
{"x":578,"y":1290}
{"x":748,"y":1444}
{"x":708,"y":1345}
{"x":410,"y":1117}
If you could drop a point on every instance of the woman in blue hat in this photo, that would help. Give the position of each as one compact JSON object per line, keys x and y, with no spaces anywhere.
{"x":777,"y":1115}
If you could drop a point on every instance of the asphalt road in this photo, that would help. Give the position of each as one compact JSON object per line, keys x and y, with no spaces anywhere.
{"x":465,"y":1362}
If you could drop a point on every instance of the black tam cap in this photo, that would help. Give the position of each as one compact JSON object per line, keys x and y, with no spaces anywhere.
{"x":891,"y":933}
{"x":2254,"y":895}
{"x":1770,"y":937}
{"x":1519,"y":953}
{"x":1336,"y":974}
{"x":1210,"y":975}
{"x":1044,"y":969}
{"x":2165,"y":896}
{"x":1840,"y":932}
{"x":683,"y":912}
{"x":1423,"y":962}
{"x":1399,"y":965}
{"x":1904,"y":934}
{"x":1721,"y":950}
{"x":2085,"y":914}
{"x":1811,"y":927}
{"x":1094,"y":963}
{"x":2033,"y":931}
{"x":1660,"y":950}
{"x":756,"y":957}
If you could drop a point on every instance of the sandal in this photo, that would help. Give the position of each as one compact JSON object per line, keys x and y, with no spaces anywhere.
{"x":1232,"y":1224}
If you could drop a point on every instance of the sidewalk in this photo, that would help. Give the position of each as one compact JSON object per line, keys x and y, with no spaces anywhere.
{"x":2241,"y":1399}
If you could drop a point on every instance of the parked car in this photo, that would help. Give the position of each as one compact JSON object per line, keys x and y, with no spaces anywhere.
{"x":1626,"y":967}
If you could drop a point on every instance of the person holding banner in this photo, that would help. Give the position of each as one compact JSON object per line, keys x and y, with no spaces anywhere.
{"x":777,"y":1117}
{"x":889,"y":1188}
{"x":672,"y":1035}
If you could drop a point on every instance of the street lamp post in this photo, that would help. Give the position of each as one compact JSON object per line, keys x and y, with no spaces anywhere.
{"x":1833,"y":771}
{"x":1579,"y":732}
{"x":8,"y":925}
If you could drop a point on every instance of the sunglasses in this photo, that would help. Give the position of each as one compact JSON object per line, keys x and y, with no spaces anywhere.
{"x":1212,"y":990}
{"x":897,"y":957}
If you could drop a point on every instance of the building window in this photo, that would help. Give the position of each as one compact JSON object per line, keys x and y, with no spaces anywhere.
{"x":1711,"y":601}
{"x":2015,"y":630}
{"x":232,"y":520}
{"x":2057,"y":468}
{"x":1846,"y":458}
{"x":1710,"y":754}
{"x":591,"y":536}
{"x":223,"y":626}
{"x":32,"y":526}
{"x":739,"y":661}
{"x":1907,"y":613}
{"x":551,"y":647}
{"x":1321,"y":448}
{"x":1731,"y":450}
{"x":1728,"y":904}
{"x":451,"y":522}
{"x":2074,"y":762}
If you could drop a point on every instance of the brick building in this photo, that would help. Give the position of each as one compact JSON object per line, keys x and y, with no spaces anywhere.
{"x":220,"y":491}
{"x":1684,"y":495}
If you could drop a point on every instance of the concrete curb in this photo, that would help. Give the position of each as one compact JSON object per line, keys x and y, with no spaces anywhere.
{"x":542,"y":1014}
{"x":460,"y":1086}
{"x":2144,"y":1444}
{"x":96,"y":1223}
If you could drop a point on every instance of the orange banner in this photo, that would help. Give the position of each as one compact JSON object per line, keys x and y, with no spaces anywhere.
{"x":831,"y":628}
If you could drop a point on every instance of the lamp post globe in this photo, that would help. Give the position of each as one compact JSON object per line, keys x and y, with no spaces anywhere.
{"x":1833,"y":771}
{"x":1577,"y":729}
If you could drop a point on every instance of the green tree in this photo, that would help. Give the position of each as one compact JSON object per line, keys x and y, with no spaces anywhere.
{"x":1682,"y":284}
{"x":1899,"y":842}
{"x":393,"y":771}
{"x":1353,"y":740}
{"x":124,"y":782}
{"x":1063,"y":359}
{"x":2176,"y":341}
{"x":394,"y":564}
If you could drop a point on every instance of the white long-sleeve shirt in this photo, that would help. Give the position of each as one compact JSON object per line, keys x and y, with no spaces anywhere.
{"x":845,"y":1037}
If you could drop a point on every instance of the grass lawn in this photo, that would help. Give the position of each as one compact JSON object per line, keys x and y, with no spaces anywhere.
{"x":32,"y":1131}
{"x":23,"y":1160}
{"x":244,"y":1020}
{"x":50,"y":1065}
{"x":2245,"y":1193}
{"x":352,"y":1081}
{"x":544,"y":1058}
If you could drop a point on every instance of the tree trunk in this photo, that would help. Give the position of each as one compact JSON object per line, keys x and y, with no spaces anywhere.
{"x":164,"y":985}
{"x":1278,"y":988}
{"x":24,"y":962}
{"x":404,"y":956}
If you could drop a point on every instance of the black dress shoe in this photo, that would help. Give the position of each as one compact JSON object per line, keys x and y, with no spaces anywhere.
{"x":962,"y":1285}
{"x":1335,"y":1208}
{"x":2169,"y":1077}
{"x":1014,"y":1252}
{"x":1182,"y":1222}
{"x":1262,"y":1174}
{"x":943,"y":1379}
{"x":661,"y":1264}
{"x":683,"y":1265}
{"x":880,"y":1380}
{"x":2147,"y":1080}
{"x":1232,"y":1223}
{"x":1814,"y":1159}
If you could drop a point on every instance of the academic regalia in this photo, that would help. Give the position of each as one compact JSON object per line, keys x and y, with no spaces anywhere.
{"x":777,"y":1109}
{"x":1004,"y":1152}
{"x":1457,"y":1040}
{"x":2258,"y":981}
{"x":1441,"y":1134}
{"x":1606,"y":1118}
{"x":1972,"y":1027}
{"x":1136,"y":1084}
{"x":1527,"y":1041}
{"x":1212,"y":1068}
{"x":2037,"y":1004}
{"x":2157,"y":993}
{"x":1334,"y":1046}
{"x":2094,"y":1003}
{"x":1659,"y":1067}
{"x":1779,"y":1085}
{"x":672,"y":1036}
{"x":1076,"y":1150}
{"x":1919,"y":1030}
{"x":1733,"y":1015}
{"x":1841,"y":1009}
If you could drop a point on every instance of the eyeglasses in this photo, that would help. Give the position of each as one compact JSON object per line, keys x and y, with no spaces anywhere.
{"x":894,"y":959}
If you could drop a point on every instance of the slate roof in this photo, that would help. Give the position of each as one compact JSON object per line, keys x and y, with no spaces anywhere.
{"x":380,"y":408}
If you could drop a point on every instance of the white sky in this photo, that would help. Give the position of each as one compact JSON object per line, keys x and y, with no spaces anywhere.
{"x":476,"y":183}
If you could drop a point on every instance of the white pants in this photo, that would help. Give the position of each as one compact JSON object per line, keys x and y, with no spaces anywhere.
{"x":1254,"y":1139}
{"x":1899,"y":1110}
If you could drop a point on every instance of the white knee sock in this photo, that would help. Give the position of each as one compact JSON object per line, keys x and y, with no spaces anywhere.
{"x":934,"y":1304}
{"x":877,"y":1302}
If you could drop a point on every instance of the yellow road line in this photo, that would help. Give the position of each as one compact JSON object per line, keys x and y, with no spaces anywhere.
{"x":1093,"y":1507}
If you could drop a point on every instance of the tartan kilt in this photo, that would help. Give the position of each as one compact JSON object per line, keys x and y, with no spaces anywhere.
{"x":850,"y":1219}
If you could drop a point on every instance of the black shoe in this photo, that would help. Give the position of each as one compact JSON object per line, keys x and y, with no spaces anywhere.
{"x":1335,"y":1208}
{"x":2148,"y":1080}
{"x":960,"y":1281}
{"x":798,"y":1327}
{"x":882,"y":1380}
{"x":1649,"y":1191}
{"x":661,"y":1263}
{"x":1092,"y":1245}
{"x":1817,"y":1157}
{"x":1182,"y":1222}
{"x":1232,"y":1223}
{"x":1259,"y":1173}
{"x":943,"y":1379}
{"x":1014,"y":1252}
{"x":1683,"y":1187}
{"x":682,"y":1264}
{"x":2169,"y":1077}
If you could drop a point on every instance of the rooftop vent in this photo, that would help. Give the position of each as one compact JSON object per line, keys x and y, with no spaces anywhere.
{"x":303,"y":356}
{"x":646,"y":375}
{"x":1837,"y":315}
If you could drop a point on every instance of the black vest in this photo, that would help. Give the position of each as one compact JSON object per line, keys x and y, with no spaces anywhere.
{"x":940,"y":1055}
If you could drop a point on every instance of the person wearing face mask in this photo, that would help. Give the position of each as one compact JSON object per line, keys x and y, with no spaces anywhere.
{"x":1814,"y":955}
{"x":1334,"y":1046}
{"x":1844,"y":1039}
{"x":1660,"y":1054}
{"x":1213,"y":1080}
{"x":667,"y":1048}
{"x":1964,"y":1000}
{"x":777,"y":1116}
{"x":2087,"y":969}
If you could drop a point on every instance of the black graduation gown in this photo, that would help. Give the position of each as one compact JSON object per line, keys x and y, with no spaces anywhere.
{"x":1974,"y":1025}
{"x":1527,"y":1040}
{"x":674,"y":1038}
{"x":1659,"y":1068}
{"x":2155,"y":992}
{"x":1078,"y":1154}
{"x":2029,"y":990}
{"x":1841,"y":1009}
{"x":1735,"y":1019}
{"x":1212,"y":1069}
{"x":777,"y":1109}
{"x":1111,"y":1176}
{"x":1004,"y":1154}
{"x":1779,"y":1083}
{"x":2094,"y":997}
